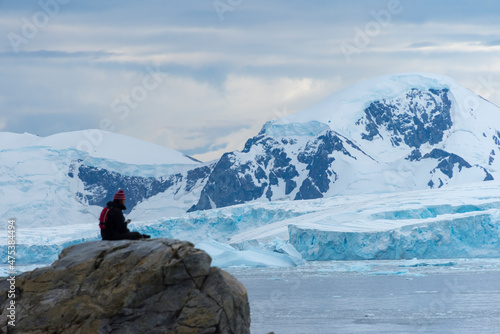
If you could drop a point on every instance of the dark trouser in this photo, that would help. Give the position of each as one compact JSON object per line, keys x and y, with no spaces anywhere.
{"x":123,"y":236}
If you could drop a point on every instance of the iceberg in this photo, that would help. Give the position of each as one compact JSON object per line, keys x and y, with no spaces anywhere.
{"x":226,"y":256}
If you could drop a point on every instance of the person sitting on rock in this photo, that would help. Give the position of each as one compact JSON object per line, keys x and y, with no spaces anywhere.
{"x":112,"y":222}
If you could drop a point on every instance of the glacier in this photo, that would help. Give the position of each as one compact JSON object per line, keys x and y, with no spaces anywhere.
{"x":463,"y":236}
{"x":452,"y":222}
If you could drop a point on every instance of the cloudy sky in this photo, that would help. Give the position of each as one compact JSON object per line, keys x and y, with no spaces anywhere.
{"x":201,"y":77}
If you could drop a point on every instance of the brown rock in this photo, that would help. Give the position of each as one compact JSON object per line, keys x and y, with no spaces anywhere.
{"x":147,"y":286}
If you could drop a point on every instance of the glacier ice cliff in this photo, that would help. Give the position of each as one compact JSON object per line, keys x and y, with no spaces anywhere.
{"x":467,"y":236}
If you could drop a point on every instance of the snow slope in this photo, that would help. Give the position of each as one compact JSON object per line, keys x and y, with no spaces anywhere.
{"x":98,"y":144}
{"x":35,"y":173}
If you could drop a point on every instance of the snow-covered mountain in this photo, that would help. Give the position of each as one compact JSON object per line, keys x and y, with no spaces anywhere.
{"x":394,"y":133}
{"x":60,"y":179}
{"x":370,"y":159}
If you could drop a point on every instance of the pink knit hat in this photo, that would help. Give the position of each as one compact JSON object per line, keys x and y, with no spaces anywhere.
{"x":120,"y":195}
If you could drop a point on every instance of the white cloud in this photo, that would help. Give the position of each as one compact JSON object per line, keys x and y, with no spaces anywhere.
{"x":186,"y":114}
{"x":225,"y":79}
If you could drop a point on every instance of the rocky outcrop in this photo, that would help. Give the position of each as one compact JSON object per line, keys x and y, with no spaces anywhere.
{"x":150,"y":286}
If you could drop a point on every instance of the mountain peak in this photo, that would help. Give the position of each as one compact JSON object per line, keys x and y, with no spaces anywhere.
{"x":397,"y":132}
{"x":349,"y":103}
{"x":384,"y":113}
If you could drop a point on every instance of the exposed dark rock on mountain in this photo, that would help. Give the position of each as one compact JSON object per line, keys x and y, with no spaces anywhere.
{"x":100,"y":184}
{"x":276,"y":168}
{"x":418,"y":118}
